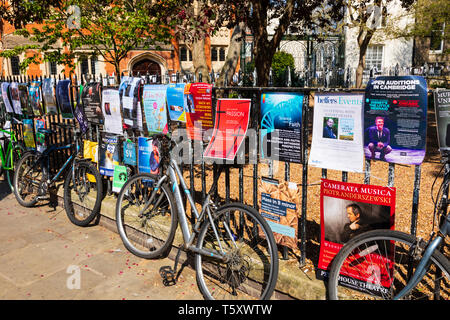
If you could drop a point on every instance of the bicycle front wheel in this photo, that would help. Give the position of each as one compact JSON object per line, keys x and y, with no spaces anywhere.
{"x":250,"y":267}
{"x":146,"y":217}
{"x":378,"y":264}
{"x":83,"y":193}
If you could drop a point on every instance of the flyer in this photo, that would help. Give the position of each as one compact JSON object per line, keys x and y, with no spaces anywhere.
{"x":25,"y":100}
{"x":198,"y":109}
{"x":349,"y":209}
{"x":81,"y":118}
{"x":35,"y":98}
{"x":129,"y":91}
{"x":280,"y":206}
{"x":148,"y":155}
{"x":111,"y":111}
{"x":5,"y":96}
{"x":40,"y":137}
{"x":48,"y":94}
{"x":15,"y":100}
{"x":442,"y":112}
{"x":90,"y":150}
{"x":119,"y":178}
{"x":155,"y":111}
{"x":63,"y":99}
{"x":109,"y":155}
{"x":129,"y":153}
{"x":91,"y":100}
{"x":28,"y":133}
{"x":337,"y":139}
{"x":230,"y":128}
{"x":281,"y":126}
{"x":395,"y":119}
{"x":175,"y":101}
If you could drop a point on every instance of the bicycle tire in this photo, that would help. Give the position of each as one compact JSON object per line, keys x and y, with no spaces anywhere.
{"x":27,"y":183}
{"x":252,"y":268}
{"x":148,"y":234}
{"x":374,"y":280}
{"x":10,"y":173}
{"x":77,"y":205}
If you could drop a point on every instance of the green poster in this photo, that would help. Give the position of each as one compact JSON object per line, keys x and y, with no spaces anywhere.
{"x":119,"y":178}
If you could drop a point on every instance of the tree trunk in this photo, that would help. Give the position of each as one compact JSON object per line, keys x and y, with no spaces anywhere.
{"x":199,"y":60}
{"x":233,"y":56}
{"x":363,"y":42}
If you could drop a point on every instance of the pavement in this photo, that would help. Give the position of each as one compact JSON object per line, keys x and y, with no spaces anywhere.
{"x":44,"y":256}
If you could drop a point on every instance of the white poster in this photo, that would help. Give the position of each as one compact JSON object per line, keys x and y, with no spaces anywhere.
{"x":337,"y":141}
{"x":111,"y":111}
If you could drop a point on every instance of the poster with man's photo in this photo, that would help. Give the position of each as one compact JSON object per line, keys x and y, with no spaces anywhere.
{"x":281,"y":124}
{"x":129,"y":90}
{"x":395,"y":119}
{"x":337,"y":139}
{"x":347,"y":210}
{"x":111,"y":111}
{"x":91,"y":99}
{"x":442,"y":112}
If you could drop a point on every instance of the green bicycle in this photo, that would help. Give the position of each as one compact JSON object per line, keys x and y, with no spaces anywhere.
{"x":10,"y":153}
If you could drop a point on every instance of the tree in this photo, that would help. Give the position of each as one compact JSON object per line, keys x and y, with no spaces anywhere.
{"x":280,"y":63}
{"x":107,"y":28}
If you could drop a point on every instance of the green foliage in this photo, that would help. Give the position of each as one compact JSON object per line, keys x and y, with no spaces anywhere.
{"x":280,"y":63}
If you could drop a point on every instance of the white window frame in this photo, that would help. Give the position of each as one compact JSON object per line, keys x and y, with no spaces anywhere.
{"x":439,"y":51}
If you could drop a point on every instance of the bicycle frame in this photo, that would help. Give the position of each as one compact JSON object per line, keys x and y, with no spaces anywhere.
{"x":173,"y":170}
{"x":9,"y":150}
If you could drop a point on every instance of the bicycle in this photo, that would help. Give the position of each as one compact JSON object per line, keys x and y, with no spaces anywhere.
{"x":13,"y":153}
{"x":83,"y":187}
{"x":393,"y":265}
{"x":236,"y":255}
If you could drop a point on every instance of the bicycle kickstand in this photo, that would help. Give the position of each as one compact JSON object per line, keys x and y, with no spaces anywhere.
{"x":168,"y":274}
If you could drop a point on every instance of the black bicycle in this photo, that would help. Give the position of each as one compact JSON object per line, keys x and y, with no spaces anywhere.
{"x":83,"y":187}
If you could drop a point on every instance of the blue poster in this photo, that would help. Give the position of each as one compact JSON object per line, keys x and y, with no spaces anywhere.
{"x":281,"y":123}
{"x":148,"y":152}
{"x":129,"y":153}
{"x":154,"y":104}
{"x":175,"y":101}
{"x":395,"y":119}
{"x":109,"y":155}
{"x":63,"y":98}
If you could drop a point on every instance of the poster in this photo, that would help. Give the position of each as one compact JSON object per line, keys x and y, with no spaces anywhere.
{"x":15,"y":100}
{"x":148,"y":155}
{"x":280,"y":206}
{"x":281,"y":126}
{"x":198,"y":109}
{"x":337,"y":139}
{"x":48,"y":95}
{"x":25,"y":100}
{"x":154,"y":104}
{"x":40,"y":137}
{"x":63,"y":98}
{"x":81,"y":118}
{"x":175,"y":101}
{"x":442,"y":112}
{"x":119,"y":178}
{"x":129,"y":153}
{"x":129,"y":96}
{"x":90,"y":97}
{"x":395,"y":114}
{"x":349,"y":209}
{"x":35,"y":98}
{"x":111,"y":111}
{"x":28,"y":133}
{"x":5,"y":96}
{"x":231,"y":123}
{"x":109,"y":155}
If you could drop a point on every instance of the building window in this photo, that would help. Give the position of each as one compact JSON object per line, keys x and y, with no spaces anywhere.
{"x":437,"y":37}
{"x":84,"y":65}
{"x":53,"y":67}
{"x":213,"y":54}
{"x":374,"y":57}
{"x":217,"y":54}
{"x":93,"y":64}
{"x":222,"y":54}
{"x":185,"y":54}
{"x":15,"y":69}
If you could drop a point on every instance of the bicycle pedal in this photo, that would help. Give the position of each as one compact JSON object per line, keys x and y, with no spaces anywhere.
{"x":168,"y":276}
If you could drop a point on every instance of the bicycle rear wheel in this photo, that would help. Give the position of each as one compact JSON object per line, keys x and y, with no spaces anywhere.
{"x":83,"y":193}
{"x":377,"y":264}
{"x":146,"y":228}
{"x":251,"y":267}
{"x":28,"y":177}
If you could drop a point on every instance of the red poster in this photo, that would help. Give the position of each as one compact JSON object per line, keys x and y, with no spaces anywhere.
{"x":198,"y":108}
{"x":232,"y":117}
{"x":346,"y":210}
